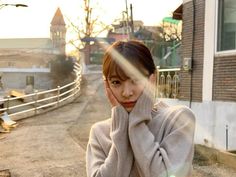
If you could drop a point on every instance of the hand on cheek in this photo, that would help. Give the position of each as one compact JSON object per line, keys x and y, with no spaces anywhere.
{"x":112,"y":99}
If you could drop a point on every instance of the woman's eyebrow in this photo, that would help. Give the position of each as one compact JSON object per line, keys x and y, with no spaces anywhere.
{"x":113,"y":77}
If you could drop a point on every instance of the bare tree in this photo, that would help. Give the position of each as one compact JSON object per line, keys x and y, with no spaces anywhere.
{"x":89,"y":26}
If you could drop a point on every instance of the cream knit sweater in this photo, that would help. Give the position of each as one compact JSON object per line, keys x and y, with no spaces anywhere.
{"x":144,"y":143}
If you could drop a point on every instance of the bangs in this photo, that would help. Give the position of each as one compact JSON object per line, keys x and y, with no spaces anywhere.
{"x":115,"y":70}
{"x":126,"y":60}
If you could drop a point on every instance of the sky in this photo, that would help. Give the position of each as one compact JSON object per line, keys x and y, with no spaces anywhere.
{"x":34,"y":20}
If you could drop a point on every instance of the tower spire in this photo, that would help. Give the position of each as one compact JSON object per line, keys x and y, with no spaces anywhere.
{"x":58,"y":32}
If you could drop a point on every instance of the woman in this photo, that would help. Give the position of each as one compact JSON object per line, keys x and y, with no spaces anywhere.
{"x":140,"y":139}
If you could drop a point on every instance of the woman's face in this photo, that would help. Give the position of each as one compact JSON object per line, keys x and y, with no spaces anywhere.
{"x":126,"y":91}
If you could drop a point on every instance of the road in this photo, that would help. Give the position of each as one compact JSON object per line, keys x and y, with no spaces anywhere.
{"x":46,"y":145}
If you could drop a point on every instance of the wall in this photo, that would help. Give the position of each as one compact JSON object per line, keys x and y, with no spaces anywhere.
{"x":211,"y":120}
{"x":197,"y":59}
{"x":17,"y":80}
{"x":224,"y":85}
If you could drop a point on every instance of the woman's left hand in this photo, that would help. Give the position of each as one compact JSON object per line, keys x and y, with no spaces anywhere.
{"x":145,"y":103}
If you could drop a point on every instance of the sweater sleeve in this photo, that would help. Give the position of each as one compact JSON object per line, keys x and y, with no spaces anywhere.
{"x":118,"y":162}
{"x":174,"y":154}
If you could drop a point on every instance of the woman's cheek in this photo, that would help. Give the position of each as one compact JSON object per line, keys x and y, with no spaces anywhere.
{"x":116,"y":93}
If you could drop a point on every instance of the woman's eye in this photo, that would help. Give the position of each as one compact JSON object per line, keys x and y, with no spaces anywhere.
{"x":115,"y":83}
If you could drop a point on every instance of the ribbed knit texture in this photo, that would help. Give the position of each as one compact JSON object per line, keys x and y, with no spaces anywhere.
{"x":144,"y":143}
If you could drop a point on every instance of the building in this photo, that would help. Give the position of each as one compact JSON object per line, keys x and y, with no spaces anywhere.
{"x":208,"y":72}
{"x":94,"y":46}
{"x":92,"y":54}
{"x":26,"y":61}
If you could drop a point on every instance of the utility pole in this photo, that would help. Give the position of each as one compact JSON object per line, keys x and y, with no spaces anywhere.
{"x":127,"y":12}
{"x":127,"y":18}
{"x":131,"y":21}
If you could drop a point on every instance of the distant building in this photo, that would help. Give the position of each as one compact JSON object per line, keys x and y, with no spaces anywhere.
{"x":125,"y":28}
{"x":92,"y":54}
{"x":24,"y":58}
{"x":58,"y":32}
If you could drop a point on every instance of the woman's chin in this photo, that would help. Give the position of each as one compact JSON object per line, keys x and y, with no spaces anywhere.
{"x":129,"y":109}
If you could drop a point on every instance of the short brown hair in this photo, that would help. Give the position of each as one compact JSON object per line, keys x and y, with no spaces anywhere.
{"x":135,"y":52}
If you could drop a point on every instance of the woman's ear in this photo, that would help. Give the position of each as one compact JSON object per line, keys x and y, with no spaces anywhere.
{"x":152,"y":79}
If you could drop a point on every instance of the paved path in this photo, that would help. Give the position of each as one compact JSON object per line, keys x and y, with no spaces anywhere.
{"x":45,"y":145}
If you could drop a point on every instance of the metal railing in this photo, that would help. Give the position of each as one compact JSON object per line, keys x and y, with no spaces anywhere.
{"x":38,"y":102}
{"x":168,"y":83}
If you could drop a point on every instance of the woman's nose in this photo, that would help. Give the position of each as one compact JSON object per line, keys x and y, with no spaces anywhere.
{"x":127,"y":91}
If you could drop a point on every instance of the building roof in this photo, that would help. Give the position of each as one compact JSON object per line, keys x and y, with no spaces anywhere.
{"x":24,"y":59}
{"x":178,"y":13}
{"x":117,"y":36}
{"x":171,"y":20}
{"x":97,"y":39}
{"x":26,"y":43}
{"x":58,"y":18}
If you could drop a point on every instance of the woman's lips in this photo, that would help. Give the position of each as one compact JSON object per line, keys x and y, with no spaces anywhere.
{"x":128,"y":104}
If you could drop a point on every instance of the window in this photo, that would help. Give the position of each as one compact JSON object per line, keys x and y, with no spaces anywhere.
{"x":226,"y":25}
{"x":30,"y":80}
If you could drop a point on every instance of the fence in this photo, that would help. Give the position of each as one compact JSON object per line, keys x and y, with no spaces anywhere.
{"x":168,"y":83}
{"x":38,"y":102}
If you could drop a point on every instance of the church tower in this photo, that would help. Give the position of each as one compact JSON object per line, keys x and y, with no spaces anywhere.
{"x":58,"y":32}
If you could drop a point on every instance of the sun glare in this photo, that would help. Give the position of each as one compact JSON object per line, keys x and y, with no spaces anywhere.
{"x":34,"y":21}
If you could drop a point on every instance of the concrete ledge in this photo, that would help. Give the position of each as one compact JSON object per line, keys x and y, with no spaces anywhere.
{"x":211,"y":155}
{"x":227,"y":158}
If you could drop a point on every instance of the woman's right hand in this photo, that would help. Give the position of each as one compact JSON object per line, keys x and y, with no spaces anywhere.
{"x":112,"y":99}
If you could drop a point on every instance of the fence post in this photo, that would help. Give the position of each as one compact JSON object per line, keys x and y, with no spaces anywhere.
{"x":175,"y":89}
{"x":75,"y":87}
{"x":168,"y":85}
{"x":8,"y":103}
{"x":35,"y":101}
{"x":162,"y":85}
{"x":58,"y":95}
{"x":226,"y":138}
